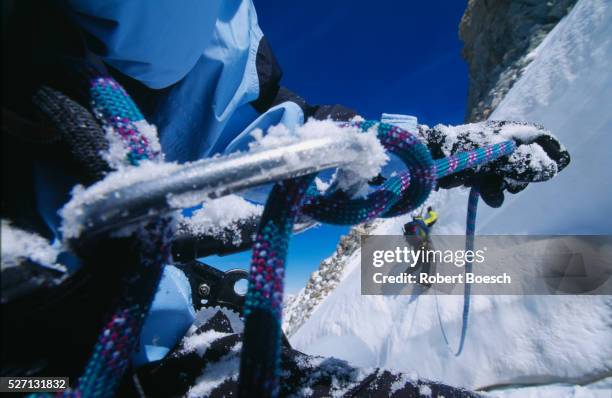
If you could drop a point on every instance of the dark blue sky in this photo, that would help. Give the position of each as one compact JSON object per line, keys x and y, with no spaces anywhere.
{"x":399,"y":56}
{"x":373,"y":56}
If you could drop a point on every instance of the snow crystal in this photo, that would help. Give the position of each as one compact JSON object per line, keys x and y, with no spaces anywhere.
{"x":468,"y":136}
{"x":18,"y":245}
{"x":221,"y":217}
{"x":342,"y":376}
{"x":534,"y":159}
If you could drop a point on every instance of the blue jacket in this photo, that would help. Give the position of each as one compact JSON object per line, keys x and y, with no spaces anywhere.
{"x":203,"y":73}
{"x":199,"y":58}
{"x":206,"y":78}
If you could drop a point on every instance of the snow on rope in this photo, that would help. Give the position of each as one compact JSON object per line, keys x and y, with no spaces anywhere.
{"x":260,"y":361}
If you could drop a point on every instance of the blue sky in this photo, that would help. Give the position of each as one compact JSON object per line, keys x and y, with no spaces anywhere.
{"x":389,"y":56}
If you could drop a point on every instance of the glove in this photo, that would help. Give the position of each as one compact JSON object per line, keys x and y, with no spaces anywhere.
{"x":539,"y":156}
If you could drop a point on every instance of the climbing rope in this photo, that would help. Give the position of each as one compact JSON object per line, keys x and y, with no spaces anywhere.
{"x":115,"y":344}
{"x":259,"y":369}
{"x":260,"y":361}
{"x":470,"y":230}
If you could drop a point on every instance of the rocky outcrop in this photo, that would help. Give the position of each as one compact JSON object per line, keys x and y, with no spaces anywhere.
{"x":297,"y":309}
{"x":498,"y":37}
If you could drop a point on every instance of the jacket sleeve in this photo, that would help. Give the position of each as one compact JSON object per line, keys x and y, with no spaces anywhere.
{"x":272,"y":93}
{"x":203,"y":73}
{"x":154,"y":44}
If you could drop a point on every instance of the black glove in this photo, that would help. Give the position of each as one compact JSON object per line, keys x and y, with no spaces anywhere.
{"x":539,"y":156}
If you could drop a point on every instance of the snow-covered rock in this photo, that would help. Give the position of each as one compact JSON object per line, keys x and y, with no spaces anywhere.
{"x":522,"y":340}
{"x":297,"y":309}
{"x":506,"y":31}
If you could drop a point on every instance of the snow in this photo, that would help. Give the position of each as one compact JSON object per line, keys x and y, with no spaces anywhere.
{"x":528,"y":158}
{"x":362,"y":168}
{"x":117,"y":151}
{"x":200,"y":343}
{"x":425,"y":391}
{"x":321,"y":185}
{"x":600,"y":389}
{"x":568,"y":89}
{"x":551,"y":345}
{"x":361,"y":151}
{"x":297,"y":309}
{"x":124,"y":177}
{"x":18,"y":245}
{"x":221,"y":217}
{"x":216,"y":373}
{"x":401,"y":382}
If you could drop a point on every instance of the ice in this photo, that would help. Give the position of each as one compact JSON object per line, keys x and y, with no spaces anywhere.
{"x":321,"y":185}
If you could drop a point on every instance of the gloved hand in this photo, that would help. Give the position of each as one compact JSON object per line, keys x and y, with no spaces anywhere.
{"x":539,"y":156}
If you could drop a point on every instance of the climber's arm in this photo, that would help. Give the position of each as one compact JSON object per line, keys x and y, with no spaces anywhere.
{"x":431,"y":219}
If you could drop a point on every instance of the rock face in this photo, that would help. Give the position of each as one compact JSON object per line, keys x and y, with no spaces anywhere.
{"x":297,"y":309}
{"x":498,"y":37}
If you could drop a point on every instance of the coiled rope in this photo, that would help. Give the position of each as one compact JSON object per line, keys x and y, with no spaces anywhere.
{"x":260,"y":361}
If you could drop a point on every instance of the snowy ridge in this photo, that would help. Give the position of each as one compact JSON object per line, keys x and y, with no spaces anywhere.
{"x":567,"y":88}
{"x":511,"y":339}
{"x":552,"y":341}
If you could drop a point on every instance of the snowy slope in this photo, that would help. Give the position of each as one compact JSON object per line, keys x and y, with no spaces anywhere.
{"x":511,"y":339}
{"x":568,"y":89}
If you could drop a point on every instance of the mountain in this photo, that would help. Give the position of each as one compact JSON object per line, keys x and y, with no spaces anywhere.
{"x":298,"y":308}
{"x":498,"y":38}
{"x":512,"y":340}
